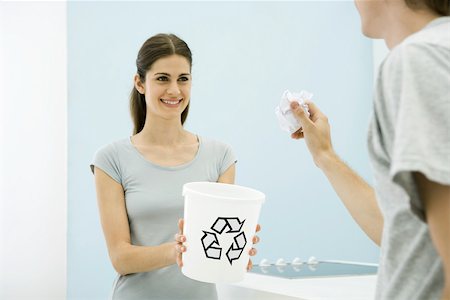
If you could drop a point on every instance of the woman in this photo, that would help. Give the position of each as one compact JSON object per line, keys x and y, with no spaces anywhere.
{"x":408,"y":210}
{"x":139,"y":179}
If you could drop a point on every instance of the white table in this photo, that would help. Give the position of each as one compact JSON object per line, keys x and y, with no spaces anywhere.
{"x":263,"y":287}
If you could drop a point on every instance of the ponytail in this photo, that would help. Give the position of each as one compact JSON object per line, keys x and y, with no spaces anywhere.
{"x":138,"y":110}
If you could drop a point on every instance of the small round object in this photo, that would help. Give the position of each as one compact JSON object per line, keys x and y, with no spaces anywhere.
{"x":297,"y":261}
{"x":312,"y":261}
{"x":280,"y":262}
{"x":264,"y":263}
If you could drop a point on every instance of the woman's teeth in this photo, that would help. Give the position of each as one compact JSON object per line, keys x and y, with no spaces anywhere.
{"x":171,"y":102}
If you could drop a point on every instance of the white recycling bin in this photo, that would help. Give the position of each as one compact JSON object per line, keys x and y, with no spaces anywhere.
{"x":219,"y":224}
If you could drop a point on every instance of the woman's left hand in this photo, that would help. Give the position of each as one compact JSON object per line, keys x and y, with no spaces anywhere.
{"x":253,"y":251}
{"x":180,"y":239}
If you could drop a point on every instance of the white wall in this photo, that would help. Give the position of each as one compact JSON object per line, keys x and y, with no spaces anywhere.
{"x":33,"y":164}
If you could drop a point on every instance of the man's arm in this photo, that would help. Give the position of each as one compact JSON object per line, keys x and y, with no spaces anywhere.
{"x":436,"y":200}
{"x":355,"y":193}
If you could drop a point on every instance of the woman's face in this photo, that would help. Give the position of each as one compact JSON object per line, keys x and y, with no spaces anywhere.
{"x":167,"y":86}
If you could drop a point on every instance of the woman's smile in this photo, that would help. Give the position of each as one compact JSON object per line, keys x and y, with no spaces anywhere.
{"x":171,"y":102}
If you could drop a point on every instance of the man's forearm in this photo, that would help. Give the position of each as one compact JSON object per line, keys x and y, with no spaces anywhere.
{"x":356,"y":194}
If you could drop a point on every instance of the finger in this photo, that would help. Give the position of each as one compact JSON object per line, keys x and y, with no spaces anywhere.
{"x":180,"y":225}
{"x":252,"y":252}
{"x":180,"y":248}
{"x":258,"y":228}
{"x":180,"y":238}
{"x":255,"y":239}
{"x":297,"y":135}
{"x":301,"y":115}
{"x":179,"y":260}
{"x":314,"y":112}
{"x":249,"y":265}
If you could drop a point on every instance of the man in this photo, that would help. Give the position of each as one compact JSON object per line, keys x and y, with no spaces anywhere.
{"x":407,"y":212}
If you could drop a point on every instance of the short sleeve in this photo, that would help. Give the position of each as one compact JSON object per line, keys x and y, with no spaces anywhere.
{"x":422,"y":122}
{"x":107,"y":160}
{"x":228,"y":159}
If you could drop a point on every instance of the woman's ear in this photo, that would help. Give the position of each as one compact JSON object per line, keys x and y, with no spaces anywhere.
{"x":139,"y":85}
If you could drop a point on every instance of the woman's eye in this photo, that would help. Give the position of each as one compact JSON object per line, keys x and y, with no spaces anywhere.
{"x":183,"y":79}
{"x":162,"y":78}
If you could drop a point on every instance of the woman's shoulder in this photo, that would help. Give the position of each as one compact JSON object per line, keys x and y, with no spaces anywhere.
{"x":107,"y":158}
{"x":214,"y":144}
{"x":219,"y":152}
{"x":113,"y":148}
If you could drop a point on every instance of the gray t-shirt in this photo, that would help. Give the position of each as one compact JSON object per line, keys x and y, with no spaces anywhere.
{"x":410,"y":132}
{"x":154,"y":204}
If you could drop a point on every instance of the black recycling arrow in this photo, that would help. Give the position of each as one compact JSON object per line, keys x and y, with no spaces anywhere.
{"x":235,"y":250}
{"x":233,"y":224}
{"x":209,"y":239}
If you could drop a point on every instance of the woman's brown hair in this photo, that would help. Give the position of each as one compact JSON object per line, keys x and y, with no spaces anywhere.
{"x":156,"y":47}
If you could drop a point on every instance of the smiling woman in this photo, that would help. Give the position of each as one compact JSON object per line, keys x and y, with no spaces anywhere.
{"x":139,"y":179}
{"x":161,"y":52}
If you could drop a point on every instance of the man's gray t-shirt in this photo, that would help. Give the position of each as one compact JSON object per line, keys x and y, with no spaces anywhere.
{"x":410,"y":132}
{"x":154,"y":205}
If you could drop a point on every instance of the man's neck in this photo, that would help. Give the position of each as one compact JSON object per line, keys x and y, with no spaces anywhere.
{"x":405,"y":22}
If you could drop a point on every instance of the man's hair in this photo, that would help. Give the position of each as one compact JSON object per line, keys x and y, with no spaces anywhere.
{"x":441,"y":7}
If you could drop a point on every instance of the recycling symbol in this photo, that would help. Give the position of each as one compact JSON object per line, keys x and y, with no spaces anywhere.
{"x":211,"y":243}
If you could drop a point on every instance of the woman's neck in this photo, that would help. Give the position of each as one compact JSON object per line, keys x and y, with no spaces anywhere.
{"x":162,"y":132}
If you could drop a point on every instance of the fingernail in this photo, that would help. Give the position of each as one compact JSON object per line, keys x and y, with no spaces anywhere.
{"x":183,"y":239}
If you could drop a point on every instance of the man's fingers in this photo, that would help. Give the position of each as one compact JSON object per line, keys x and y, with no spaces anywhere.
{"x":314,"y":112}
{"x":297,"y":135}
{"x":300,"y":115}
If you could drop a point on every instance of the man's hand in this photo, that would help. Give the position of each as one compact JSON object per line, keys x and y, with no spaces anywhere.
{"x":315,"y":130}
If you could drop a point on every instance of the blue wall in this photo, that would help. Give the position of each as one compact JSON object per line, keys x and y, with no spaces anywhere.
{"x":245,"y":55}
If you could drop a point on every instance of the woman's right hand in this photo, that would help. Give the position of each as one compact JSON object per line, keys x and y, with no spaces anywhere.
{"x":316,"y":132}
{"x":179,"y":240}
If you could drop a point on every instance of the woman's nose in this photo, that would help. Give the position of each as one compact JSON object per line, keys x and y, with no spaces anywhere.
{"x":173,"y":89}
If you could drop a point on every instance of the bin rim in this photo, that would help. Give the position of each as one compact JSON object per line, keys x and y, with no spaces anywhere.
{"x":260,"y":198}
